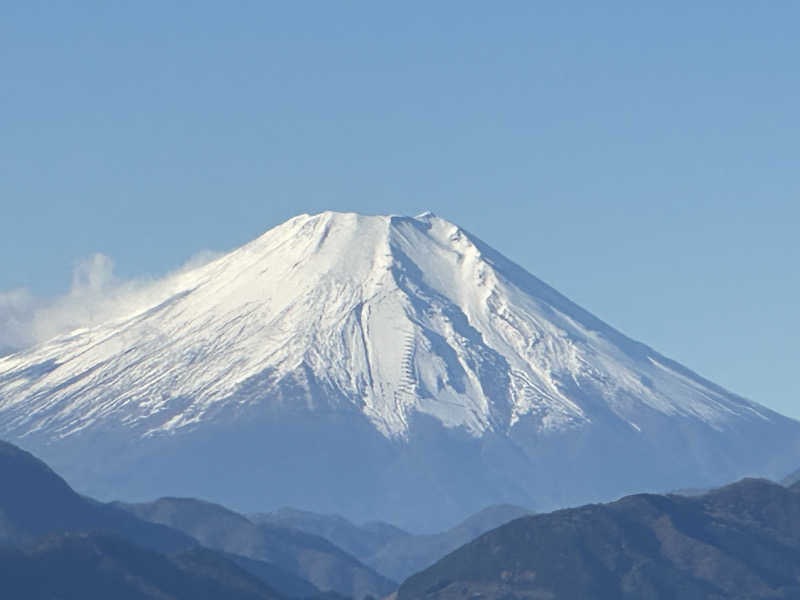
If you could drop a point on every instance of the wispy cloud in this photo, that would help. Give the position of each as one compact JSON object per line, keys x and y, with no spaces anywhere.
{"x":17,"y":308}
{"x":95,"y":296}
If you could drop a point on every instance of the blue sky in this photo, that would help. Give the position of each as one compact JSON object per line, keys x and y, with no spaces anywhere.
{"x":641,"y":159}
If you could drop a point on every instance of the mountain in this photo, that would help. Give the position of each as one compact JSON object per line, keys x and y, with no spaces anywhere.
{"x":382,"y":368}
{"x":791,"y":478}
{"x":362,"y":541}
{"x":393,"y":552}
{"x":35,"y":502}
{"x":284,"y":582}
{"x":741,"y":542}
{"x":39,"y":512}
{"x":309,"y":557}
{"x":401,"y":558}
{"x":98,"y":567}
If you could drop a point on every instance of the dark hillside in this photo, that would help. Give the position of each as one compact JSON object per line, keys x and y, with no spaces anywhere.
{"x":740,"y":542}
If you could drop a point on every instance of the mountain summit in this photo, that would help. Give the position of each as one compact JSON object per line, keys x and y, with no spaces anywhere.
{"x":381,"y":367}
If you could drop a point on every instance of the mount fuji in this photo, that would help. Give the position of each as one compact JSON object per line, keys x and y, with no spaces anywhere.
{"x":379,"y":367}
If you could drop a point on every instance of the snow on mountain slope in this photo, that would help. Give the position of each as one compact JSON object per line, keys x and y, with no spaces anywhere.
{"x":389,"y":319}
{"x":393,"y":315}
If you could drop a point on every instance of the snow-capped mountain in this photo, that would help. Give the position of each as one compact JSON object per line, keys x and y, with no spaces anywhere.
{"x":386,"y":367}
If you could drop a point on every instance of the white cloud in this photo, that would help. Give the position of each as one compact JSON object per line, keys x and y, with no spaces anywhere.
{"x":96,"y":296}
{"x":17,"y":308}
{"x":93,"y":274}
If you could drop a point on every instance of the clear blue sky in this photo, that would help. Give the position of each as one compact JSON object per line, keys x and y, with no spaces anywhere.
{"x":644,"y":160}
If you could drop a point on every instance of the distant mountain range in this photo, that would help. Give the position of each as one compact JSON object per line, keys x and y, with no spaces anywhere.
{"x":399,"y":364}
{"x":388,"y":549}
{"x":44,"y":524}
{"x":740,"y":542}
{"x":305,"y":555}
{"x":53,"y":537}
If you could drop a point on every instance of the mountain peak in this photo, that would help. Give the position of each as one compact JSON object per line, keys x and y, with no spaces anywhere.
{"x":392,"y":316}
{"x":405,"y":328}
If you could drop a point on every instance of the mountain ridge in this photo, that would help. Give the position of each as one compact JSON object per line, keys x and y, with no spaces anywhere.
{"x":98,"y":567}
{"x":395,"y":553}
{"x":741,"y":542}
{"x":310,"y":557}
